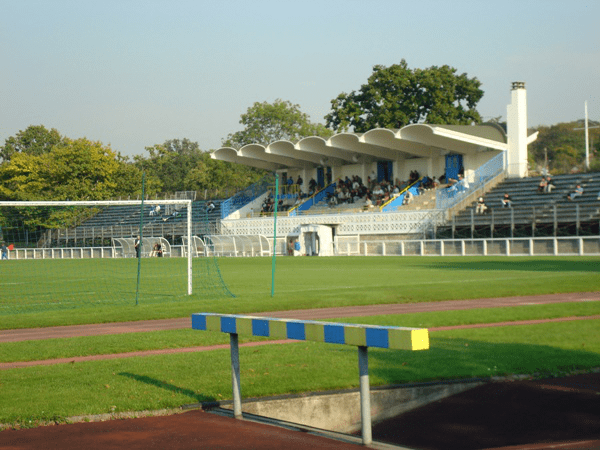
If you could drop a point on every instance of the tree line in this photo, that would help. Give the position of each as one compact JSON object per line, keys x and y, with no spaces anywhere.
{"x":42,"y":164}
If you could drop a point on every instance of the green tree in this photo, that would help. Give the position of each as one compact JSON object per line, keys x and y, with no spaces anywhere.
{"x":170,"y":162}
{"x":265,"y":123}
{"x":180,"y":165}
{"x":72,"y":170}
{"x":564,"y":146}
{"x":396,"y":96}
{"x":35,"y":140}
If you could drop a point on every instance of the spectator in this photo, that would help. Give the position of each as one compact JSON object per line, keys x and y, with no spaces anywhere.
{"x":549,"y":185}
{"x":576,"y":193}
{"x":136,"y":245}
{"x":210,"y":207}
{"x":481,"y":207}
{"x":408,"y":197}
{"x":332,"y":201}
{"x":543,"y":186}
{"x":506,"y":201}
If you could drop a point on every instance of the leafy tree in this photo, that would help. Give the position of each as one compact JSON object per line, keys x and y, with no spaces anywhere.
{"x":35,"y":140}
{"x":72,"y":170}
{"x":396,"y":96}
{"x":265,"y":123}
{"x":180,"y":165}
{"x":564,"y":146}
{"x":170,"y":162}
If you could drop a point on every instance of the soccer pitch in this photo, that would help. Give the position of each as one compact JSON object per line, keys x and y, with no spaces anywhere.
{"x":105,"y":289}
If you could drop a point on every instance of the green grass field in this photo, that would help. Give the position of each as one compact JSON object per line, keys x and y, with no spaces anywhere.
{"x":43,"y":393}
{"x":300,"y":283}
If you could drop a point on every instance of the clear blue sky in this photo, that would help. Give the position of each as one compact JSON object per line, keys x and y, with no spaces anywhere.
{"x":136,"y":73}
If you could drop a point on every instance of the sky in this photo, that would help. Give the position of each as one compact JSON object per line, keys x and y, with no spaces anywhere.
{"x":132,"y":74}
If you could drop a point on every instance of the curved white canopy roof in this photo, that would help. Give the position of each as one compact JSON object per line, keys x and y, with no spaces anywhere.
{"x":417,"y":140}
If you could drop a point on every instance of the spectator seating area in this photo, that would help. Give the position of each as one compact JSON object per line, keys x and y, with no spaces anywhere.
{"x":532,"y":213}
{"x":349,"y":195}
{"x":117,"y":220}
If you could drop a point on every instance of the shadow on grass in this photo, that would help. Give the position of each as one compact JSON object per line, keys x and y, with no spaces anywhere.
{"x":456,"y":358}
{"x":168,"y":387}
{"x":528,"y":265}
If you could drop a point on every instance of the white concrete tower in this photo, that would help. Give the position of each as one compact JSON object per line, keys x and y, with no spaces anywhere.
{"x":517,"y":132}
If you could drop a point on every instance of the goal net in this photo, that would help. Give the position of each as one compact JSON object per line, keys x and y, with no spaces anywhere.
{"x":61,"y":255}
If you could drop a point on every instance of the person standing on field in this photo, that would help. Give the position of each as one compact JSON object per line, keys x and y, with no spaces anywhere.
{"x":4,"y":251}
{"x":136,"y":245}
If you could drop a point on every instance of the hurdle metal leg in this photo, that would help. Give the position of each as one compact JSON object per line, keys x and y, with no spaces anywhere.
{"x":235,"y":375}
{"x":365,"y":395}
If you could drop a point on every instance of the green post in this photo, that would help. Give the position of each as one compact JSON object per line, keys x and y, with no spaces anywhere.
{"x":141,"y":234}
{"x":275,"y":233}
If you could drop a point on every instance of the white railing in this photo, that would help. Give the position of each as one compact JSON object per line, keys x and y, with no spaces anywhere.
{"x":543,"y":246}
{"x":352,"y":246}
{"x":408,"y":222}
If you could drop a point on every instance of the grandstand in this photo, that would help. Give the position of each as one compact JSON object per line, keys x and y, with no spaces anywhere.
{"x":532,"y":213}
{"x":445,"y":167}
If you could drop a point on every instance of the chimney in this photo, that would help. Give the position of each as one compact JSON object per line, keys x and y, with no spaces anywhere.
{"x":517,"y":131}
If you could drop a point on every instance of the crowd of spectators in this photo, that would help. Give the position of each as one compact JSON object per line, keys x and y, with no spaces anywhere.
{"x":349,"y":190}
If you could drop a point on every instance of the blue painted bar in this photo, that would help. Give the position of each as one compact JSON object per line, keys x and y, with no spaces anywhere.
{"x":310,"y":330}
{"x":295,"y":330}
{"x":334,"y":334}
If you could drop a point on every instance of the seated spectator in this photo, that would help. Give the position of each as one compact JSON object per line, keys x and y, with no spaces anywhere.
{"x":368,"y":203}
{"x":408,"y":197}
{"x":386,"y":198}
{"x":576,"y":193}
{"x":481,"y":207}
{"x":210,"y":206}
{"x":549,"y":185}
{"x":331,"y":200}
{"x":506,"y":201}
{"x":434,"y":183}
{"x":542,"y":187}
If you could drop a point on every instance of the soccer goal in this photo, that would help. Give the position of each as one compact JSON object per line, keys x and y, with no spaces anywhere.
{"x":71,"y":254}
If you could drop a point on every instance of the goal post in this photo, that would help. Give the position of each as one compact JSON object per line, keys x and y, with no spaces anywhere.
{"x":61,"y":230}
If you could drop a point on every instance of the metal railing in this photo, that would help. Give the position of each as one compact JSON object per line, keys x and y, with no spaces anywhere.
{"x":447,"y":198}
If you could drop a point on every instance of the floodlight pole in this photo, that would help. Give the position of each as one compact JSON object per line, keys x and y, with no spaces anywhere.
{"x":587,"y":138}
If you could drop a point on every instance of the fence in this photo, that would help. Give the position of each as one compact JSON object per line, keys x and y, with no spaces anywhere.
{"x":548,"y":246}
{"x":447,"y":198}
{"x":240,"y":199}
